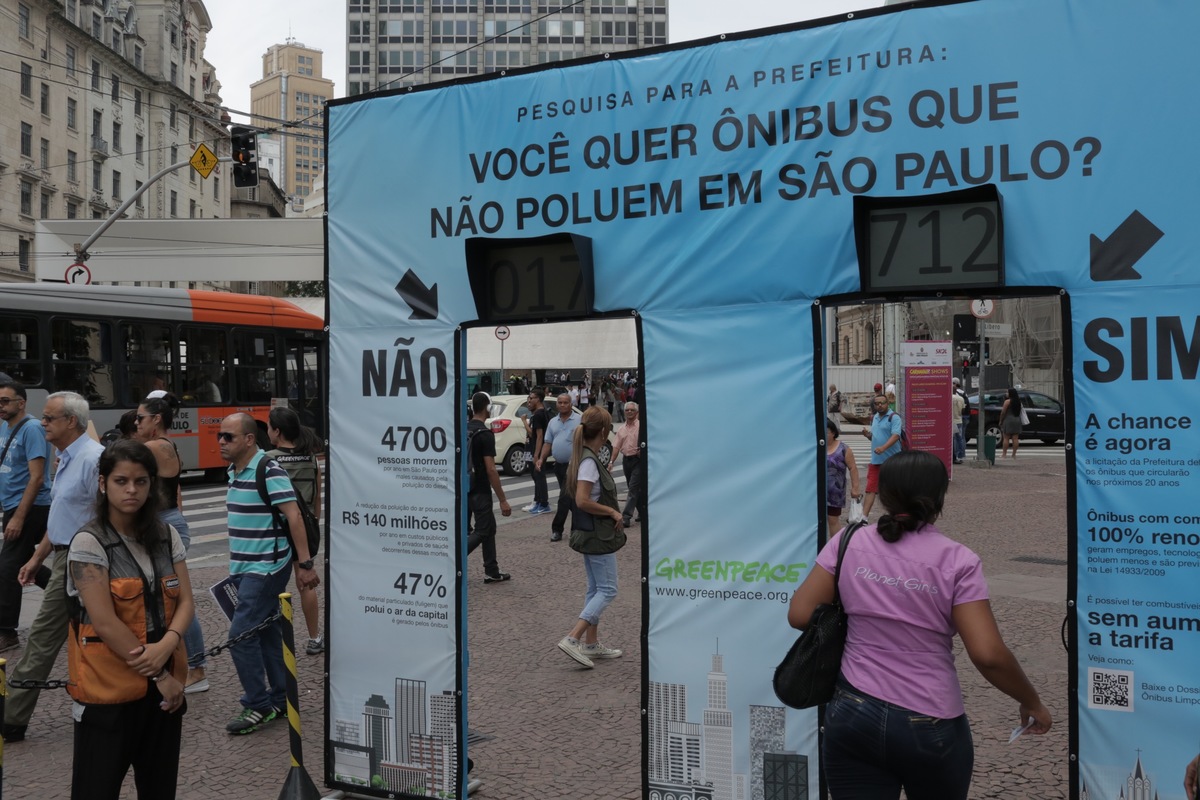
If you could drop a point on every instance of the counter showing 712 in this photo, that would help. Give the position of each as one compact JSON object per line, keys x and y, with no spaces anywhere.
{"x":422,"y":439}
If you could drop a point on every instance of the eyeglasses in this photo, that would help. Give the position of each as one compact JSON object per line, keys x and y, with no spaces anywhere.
{"x":228,"y":437}
{"x":6,"y":400}
{"x":52,"y":417}
{"x":141,"y":417}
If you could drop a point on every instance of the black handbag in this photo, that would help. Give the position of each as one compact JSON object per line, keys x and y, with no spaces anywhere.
{"x":808,"y":673}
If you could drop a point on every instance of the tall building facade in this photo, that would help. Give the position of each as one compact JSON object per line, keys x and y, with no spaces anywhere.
{"x":397,"y":43}
{"x":718,"y":732}
{"x":103,"y":94}
{"x":377,"y":727}
{"x":291,"y":97}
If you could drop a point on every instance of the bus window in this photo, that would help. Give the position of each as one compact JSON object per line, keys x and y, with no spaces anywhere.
{"x":254,"y":366}
{"x":202,"y":357}
{"x":82,"y":355}
{"x":148,"y":358}
{"x":304,"y":382}
{"x":19,"y":352}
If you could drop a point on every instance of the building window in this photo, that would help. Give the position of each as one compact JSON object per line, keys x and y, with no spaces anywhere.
{"x":192,"y":50}
{"x":174,"y":203}
{"x":23,"y":20}
{"x":116,"y":139}
{"x":70,"y":50}
{"x":174,"y":74}
{"x":174,"y":154}
{"x":97,"y":175}
{"x":26,"y":140}
{"x":45,"y":209}
{"x":191,"y":208}
{"x":171,"y":116}
{"x":192,"y":88}
{"x":23,"y":255}
{"x":174,"y":36}
{"x":44,"y":154}
{"x":116,"y":180}
{"x":95,"y":75}
{"x":97,"y":26}
{"x":72,"y":166}
{"x":139,"y":146}
{"x":97,"y":122}
{"x":26,"y":80}
{"x":27,"y":198}
{"x":116,"y":40}
{"x":137,"y":56}
{"x":45,"y":99}
{"x":137,"y":187}
{"x":191,"y":128}
{"x":137,"y":102}
{"x":216,"y":188}
{"x":116,"y":86}
{"x":72,"y":209}
{"x":72,"y":112}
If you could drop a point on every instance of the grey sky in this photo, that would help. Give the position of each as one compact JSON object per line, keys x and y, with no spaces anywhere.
{"x":244,"y":29}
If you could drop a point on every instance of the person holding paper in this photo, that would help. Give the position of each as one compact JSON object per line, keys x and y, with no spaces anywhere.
{"x":896,"y":720}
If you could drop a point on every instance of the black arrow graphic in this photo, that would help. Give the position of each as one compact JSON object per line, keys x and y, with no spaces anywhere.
{"x":1113,"y":258}
{"x":76,"y":274}
{"x":422,"y":299}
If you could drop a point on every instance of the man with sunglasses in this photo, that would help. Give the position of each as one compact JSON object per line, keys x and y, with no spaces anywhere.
{"x":72,"y":505}
{"x":260,"y":558}
{"x":25,"y":498}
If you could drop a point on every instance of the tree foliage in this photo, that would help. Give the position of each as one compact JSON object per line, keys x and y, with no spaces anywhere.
{"x":305,"y":289}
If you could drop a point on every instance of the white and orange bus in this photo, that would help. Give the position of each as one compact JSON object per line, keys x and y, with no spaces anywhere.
{"x":217,"y":352}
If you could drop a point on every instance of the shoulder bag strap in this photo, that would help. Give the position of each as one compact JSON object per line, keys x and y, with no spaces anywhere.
{"x":842,"y":545}
{"x":11,"y":436}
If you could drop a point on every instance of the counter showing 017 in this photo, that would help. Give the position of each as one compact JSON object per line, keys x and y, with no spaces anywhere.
{"x":422,"y":440}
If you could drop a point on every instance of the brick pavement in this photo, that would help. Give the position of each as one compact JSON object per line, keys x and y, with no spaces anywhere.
{"x":560,"y":731}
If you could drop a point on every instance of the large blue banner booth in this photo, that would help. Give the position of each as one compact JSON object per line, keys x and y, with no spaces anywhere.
{"x":709,"y":189}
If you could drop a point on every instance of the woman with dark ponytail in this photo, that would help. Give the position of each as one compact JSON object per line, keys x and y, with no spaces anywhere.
{"x":897,"y":719}
{"x":295,"y":448}
{"x":153,"y":421}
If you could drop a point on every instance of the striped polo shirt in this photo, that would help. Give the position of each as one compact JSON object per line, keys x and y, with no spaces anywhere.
{"x":256,"y":547}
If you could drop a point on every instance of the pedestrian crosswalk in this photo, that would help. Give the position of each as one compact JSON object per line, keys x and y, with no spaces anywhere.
{"x":204,"y":504}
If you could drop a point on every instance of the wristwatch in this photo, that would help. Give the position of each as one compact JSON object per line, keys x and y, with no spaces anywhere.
{"x":305,"y":564}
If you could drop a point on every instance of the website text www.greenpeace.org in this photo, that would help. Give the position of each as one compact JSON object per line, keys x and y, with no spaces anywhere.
{"x":775,"y":596}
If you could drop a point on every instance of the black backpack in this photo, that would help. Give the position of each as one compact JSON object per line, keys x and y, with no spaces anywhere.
{"x":312,"y":526}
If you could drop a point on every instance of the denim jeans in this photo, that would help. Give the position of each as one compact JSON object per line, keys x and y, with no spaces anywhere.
{"x":602,"y":585}
{"x":540,"y":491}
{"x":258,"y":599}
{"x":873,"y":748}
{"x":193,"y":637}
{"x":960,"y":444}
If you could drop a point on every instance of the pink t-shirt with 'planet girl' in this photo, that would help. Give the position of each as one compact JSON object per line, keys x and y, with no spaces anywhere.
{"x":899,"y":599}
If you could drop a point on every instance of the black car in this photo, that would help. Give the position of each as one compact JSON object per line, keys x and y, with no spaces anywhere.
{"x":1047,"y":419}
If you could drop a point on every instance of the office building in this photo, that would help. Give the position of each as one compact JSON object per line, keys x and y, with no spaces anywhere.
{"x":392,"y":44}
{"x":291,"y":98}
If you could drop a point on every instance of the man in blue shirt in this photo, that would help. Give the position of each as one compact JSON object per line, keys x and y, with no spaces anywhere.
{"x":72,"y":504}
{"x":557,"y":442}
{"x":884,"y":434}
{"x":25,"y":498}
{"x":260,"y":554}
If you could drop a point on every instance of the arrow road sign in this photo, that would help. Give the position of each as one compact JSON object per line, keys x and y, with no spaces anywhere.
{"x":78,"y":274}
{"x":1113,"y":258}
{"x":421,"y":298}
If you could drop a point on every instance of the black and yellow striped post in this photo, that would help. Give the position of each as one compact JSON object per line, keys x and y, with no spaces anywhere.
{"x":299,"y":785}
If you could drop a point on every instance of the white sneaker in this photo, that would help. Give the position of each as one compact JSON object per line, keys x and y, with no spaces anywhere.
{"x":597,"y":650}
{"x":572,"y":648}
{"x":530,"y":507}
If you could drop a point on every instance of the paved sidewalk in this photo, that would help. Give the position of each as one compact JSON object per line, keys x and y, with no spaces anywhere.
{"x":558,"y":731}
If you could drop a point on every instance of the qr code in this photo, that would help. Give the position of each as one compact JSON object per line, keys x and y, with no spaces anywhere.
{"x":1110,"y":689}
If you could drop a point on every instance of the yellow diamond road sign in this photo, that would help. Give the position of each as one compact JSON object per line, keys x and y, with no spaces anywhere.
{"x":203,"y":161}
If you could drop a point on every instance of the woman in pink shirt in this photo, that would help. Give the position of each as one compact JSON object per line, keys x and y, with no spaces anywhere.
{"x":897,"y":718}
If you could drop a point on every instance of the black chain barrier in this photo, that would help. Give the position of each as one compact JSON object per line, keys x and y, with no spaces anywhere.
{"x":212,"y":651}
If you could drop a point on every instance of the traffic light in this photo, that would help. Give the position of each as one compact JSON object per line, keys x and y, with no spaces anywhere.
{"x":245,"y":168}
